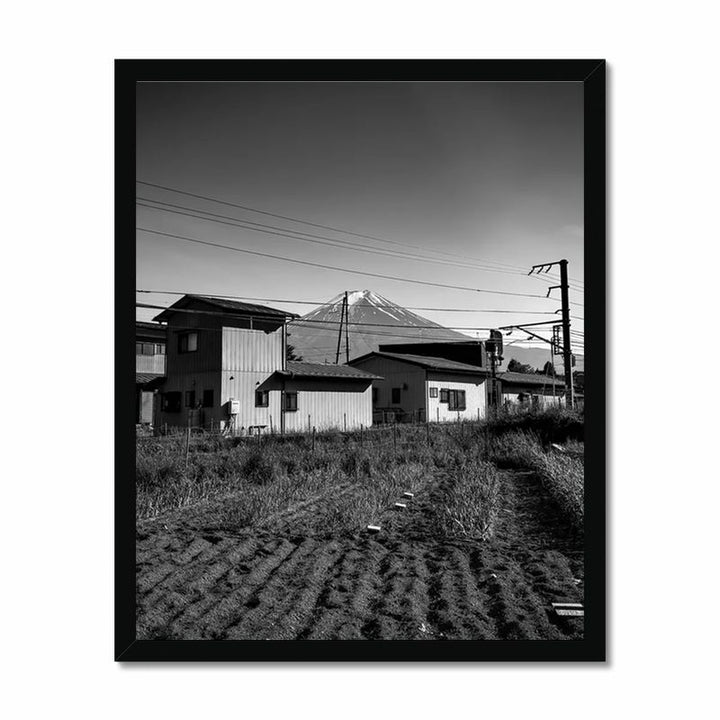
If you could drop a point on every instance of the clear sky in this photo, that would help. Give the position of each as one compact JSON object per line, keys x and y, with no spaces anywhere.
{"x":490,"y":172}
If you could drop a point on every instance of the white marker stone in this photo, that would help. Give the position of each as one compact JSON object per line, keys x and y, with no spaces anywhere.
{"x":400,"y":506}
{"x":373,"y":528}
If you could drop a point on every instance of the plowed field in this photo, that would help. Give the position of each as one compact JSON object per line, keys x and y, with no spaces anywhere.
{"x":289,"y":581}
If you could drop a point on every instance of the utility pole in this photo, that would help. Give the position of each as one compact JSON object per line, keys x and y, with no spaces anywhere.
{"x":565,"y":302}
{"x":494,"y":355}
{"x":347,"y":322}
{"x":567,"y":348}
{"x":342,"y":317}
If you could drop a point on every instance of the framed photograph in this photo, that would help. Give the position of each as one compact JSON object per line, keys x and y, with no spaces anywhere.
{"x":364,"y":298}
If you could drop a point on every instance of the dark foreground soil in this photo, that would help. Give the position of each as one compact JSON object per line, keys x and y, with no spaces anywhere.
{"x":199,"y":582}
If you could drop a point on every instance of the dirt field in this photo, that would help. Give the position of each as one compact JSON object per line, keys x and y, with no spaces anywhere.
{"x":289,"y":581}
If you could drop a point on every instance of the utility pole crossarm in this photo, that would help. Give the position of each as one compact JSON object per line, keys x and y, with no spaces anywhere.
{"x":564,"y":295}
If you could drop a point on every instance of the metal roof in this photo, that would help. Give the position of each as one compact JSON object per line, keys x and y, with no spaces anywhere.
{"x":144,"y":378}
{"x":529,"y":379}
{"x":431,"y":363}
{"x":234,"y":307}
{"x":304,"y":369}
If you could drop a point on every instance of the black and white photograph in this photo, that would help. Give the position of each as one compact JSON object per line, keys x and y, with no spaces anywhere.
{"x":359,"y":408}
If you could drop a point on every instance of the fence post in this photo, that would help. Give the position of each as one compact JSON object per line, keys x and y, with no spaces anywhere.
{"x":313,"y":439}
{"x":361,"y":433}
{"x":272,"y":431}
{"x":438,"y":414}
{"x":308,"y":422}
{"x":344,"y":422}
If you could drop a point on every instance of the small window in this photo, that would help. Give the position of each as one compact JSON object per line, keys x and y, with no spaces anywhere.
{"x":433,"y":392}
{"x":395,"y":400}
{"x":160,"y":349}
{"x":456,"y":400}
{"x":171,"y":402}
{"x":208,"y":398}
{"x":187,"y":342}
{"x":374,"y":395}
{"x":262,"y":398}
{"x":290,"y":401}
{"x":138,"y":348}
{"x":189,"y":398}
{"x":444,"y":396}
{"x":148,"y":349}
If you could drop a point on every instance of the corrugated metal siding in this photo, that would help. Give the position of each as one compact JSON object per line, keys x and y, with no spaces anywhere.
{"x":245,"y":350}
{"x":242,"y":388}
{"x":325,"y":404}
{"x":150,"y":364}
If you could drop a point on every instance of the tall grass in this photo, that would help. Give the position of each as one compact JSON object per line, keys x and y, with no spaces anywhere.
{"x":358,"y":475}
{"x":562,"y":475}
{"x":470,"y":500}
{"x":260,"y":480}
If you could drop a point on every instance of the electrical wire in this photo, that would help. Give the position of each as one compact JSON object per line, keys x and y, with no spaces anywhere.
{"x":335,"y":268}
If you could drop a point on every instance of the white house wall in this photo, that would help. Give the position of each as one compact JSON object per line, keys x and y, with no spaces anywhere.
{"x":475,"y":397}
{"x":397,"y":374}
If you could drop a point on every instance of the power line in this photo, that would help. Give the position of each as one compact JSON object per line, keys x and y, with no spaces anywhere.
{"x":338,"y":269}
{"x":309,"y":237}
{"x":359,"y":303}
{"x":332,"y":323}
{"x":318,"y":225}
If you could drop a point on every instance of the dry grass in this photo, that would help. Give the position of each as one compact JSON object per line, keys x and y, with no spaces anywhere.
{"x":356,"y":476}
{"x":470,"y":500}
{"x":562,"y":475}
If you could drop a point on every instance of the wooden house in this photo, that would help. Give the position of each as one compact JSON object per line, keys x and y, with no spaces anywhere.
{"x":531,"y":390}
{"x":150,"y":346}
{"x":227,"y":369}
{"x":422,"y":388}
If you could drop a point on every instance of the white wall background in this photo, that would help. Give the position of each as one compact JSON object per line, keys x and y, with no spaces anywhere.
{"x":57,"y":489}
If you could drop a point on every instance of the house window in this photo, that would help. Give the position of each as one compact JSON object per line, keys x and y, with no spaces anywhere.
{"x":290,"y":401}
{"x":187,"y":342}
{"x":444,"y":396}
{"x":262,"y":398}
{"x":374,"y":395}
{"x":395,"y":396}
{"x":171,"y":402}
{"x":208,"y":398}
{"x":189,"y":398}
{"x":456,"y":400}
{"x":148,"y":349}
{"x":433,"y":392}
{"x":160,"y":348}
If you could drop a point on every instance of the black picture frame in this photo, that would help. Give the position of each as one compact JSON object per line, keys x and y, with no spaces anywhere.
{"x":592,"y":74}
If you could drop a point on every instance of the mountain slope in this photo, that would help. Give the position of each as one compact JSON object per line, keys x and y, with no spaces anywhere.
{"x":374,"y":320}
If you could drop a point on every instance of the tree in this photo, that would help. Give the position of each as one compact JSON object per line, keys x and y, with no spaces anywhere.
{"x":548,"y":369}
{"x":290,"y":353}
{"x":518,"y":367}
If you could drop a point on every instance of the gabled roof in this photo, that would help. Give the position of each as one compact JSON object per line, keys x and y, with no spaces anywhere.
{"x":529,"y":379}
{"x":430,"y":363}
{"x":229,"y":307}
{"x":304,"y":369}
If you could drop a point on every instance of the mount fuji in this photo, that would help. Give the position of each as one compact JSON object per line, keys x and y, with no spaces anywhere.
{"x":373,"y":320}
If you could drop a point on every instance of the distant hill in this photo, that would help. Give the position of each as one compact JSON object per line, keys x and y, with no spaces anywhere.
{"x":375,"y":320}
{"x":537,"y":357}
